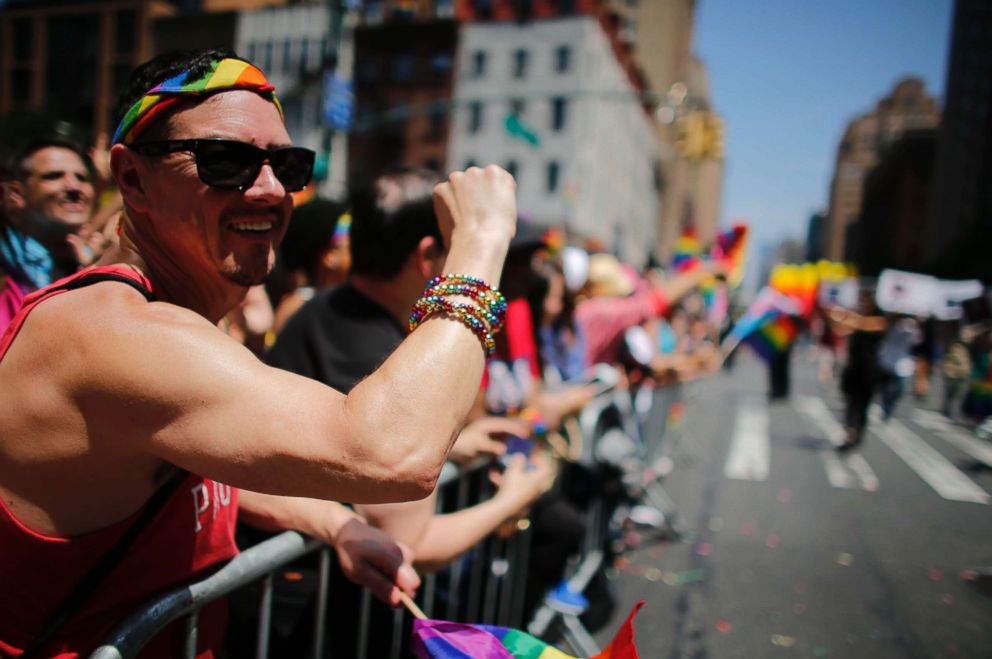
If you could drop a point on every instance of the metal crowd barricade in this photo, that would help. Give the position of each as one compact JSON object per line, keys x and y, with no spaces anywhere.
{"x":485,"y":585}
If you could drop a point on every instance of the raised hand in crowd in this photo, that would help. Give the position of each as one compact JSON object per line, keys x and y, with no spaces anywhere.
{"x":486,"y":437}
{"x":477,"y":209}
{"x":99,"y":155}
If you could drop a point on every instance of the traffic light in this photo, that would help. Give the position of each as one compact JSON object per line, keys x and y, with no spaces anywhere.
{"x":691,"y":140}
{"x":714,"y":138}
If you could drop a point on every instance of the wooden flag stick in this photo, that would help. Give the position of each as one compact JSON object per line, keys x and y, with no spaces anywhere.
{"x":412,"y":607}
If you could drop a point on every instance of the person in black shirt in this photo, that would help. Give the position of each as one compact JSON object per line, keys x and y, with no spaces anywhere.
{"x":860,"y":376}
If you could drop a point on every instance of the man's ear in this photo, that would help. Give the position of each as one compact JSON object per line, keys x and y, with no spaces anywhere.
{"x":426,"y":255}
{"x":15,"y":193}
{"x":126,"y":170}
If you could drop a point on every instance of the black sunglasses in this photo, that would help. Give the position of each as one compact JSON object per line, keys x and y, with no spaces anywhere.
{"x":232,"y":165}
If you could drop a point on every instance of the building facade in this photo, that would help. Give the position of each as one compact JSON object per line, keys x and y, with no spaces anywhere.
{"x":68,"y":59}
{"x":865,"y":139}
{"x":960,"y":226}
{"x":659,"y":34}
{"x":549,"y":101}
{"x":891,"y":231}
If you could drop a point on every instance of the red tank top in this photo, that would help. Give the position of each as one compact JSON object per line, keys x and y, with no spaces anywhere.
{"x":193,"y":531}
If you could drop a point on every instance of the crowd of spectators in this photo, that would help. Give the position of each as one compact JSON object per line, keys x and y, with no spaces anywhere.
{"x":334,"y":310}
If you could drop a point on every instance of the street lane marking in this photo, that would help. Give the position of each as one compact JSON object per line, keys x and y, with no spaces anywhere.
{"x":836,"y":473}
{"x":926,"y":461}
{"x":848,"y":472}
{"x":939,"y":425}
{"x":749,"y":450}
{"x":867,"y":477}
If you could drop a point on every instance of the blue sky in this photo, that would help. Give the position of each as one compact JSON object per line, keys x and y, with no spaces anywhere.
{"x":787,"y":76}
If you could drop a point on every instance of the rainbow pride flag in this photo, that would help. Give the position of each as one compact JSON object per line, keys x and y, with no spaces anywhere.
{"x":774,"y":337}
{"x":439,"y":639}
{"x":687,"y":254}
{"x":730,"y":247}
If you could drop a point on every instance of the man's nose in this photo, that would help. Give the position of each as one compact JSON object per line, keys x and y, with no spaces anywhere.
{"x":267,"y":189}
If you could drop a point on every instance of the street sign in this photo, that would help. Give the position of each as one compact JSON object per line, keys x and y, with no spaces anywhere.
{"x":338,"y":102}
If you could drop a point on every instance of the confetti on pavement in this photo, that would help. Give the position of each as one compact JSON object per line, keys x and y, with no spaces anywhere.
{"x":747,"y":529}
{"x":783,"y":641}
{"x":819,"y":652}
{"x":716,"y":524}
{"x":948,"y":599}
{"x":652,"y":574}
{"x":704,"y":549}
{"x":773,"y":541}
{"x":784,"y":495}
{"x":723,"y":626}
{"x":935,"y":575}
{"x":845,"y":559}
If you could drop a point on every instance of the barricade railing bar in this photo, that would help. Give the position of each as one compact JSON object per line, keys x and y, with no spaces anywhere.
{"x":487,"y":584}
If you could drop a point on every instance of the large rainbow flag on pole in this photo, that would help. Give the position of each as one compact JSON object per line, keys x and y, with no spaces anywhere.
{"x":439,"y":639}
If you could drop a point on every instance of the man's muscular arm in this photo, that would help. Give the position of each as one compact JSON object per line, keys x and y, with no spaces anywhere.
{"x":157,"y":380}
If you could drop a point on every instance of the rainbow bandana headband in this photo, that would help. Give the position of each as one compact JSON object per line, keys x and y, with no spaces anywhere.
{"x":223,"y":75}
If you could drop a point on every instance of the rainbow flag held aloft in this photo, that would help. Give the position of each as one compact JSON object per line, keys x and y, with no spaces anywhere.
{"x":439,"y":639}
{"x":774,"y":337}
{"x":730,"y":247}
{"x":687,"y":254}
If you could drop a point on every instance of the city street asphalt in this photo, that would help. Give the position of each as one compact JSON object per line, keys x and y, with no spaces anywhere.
{"x":796,"y":551}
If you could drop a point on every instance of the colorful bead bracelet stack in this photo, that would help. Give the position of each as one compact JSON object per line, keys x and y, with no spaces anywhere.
{"x":485,"y":320}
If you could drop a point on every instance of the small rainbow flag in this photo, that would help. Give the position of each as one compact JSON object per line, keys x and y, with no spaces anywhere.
{"x":731,"y":247}
{"x":687,"y":254}
{"x":774,"y":337}
{"x":439,"y":639}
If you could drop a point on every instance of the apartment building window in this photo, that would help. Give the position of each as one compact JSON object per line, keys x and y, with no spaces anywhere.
{"x":304,"y":55}
{"x":267,"y":55}
{"x":470,"y":163}
{"x":23,"y":51}
{"x":559,"y":113}
{"x":287,"y":56}
{"x":553,"y":176}
{"x":563,"y":58}
{"x":479,"y":63}
{"x":517,"y":107}
{"x":474,"y":117}
{"x":126,"y":31}
{"x":520,"y":59}
{"x":436,"y":122}
{"x":512,"y":168}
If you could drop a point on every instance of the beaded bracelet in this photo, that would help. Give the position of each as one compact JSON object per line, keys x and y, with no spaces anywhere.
{"x":491,"y":301}
{"x":467,"y":314}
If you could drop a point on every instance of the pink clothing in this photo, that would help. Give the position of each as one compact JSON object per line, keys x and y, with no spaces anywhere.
{"x":11,"y":297}
{"x":605,"y":319}
{"x":193,"y":531}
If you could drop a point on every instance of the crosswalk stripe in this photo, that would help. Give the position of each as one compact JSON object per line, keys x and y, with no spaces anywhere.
{"x":867,"y":477}
{"x":749,"y":450}
{"x":937,"y":423}
{"x":838,"y":476}
{"x":926,"y":461}
{"x":850,"y":472}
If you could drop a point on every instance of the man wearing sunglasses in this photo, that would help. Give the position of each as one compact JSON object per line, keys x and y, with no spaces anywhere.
{"x":116,"y":383}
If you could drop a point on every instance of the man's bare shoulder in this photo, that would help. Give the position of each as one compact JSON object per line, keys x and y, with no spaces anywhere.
{"x":107,"y":326}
